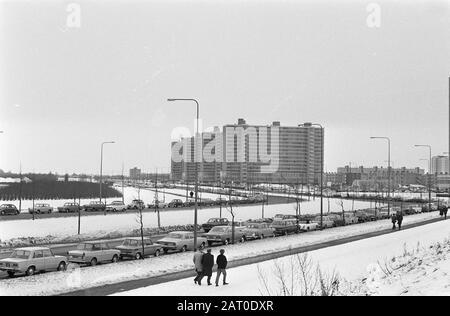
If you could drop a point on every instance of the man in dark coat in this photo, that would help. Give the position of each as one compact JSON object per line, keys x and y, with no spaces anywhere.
{"x":208,"y":263}
{"x":221,"y":267}
{"x":399,"y":219}
{"x":394,"y":220}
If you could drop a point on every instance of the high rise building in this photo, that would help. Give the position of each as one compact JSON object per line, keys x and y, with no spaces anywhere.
{"x":244,"y":153}
{"x":135,"y":173}
{"x":439,"y":165}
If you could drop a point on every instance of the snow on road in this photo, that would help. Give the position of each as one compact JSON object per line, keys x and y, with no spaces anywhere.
{"x":352,"y":261}
{"x":60,"y":282}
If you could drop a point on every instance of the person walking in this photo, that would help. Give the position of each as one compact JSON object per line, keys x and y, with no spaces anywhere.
{"x":394,"y":221}
{"x":208,"y":263}
{"x":221,"y":267}
{"x":198,"y":256}
{"x":399,"y":216}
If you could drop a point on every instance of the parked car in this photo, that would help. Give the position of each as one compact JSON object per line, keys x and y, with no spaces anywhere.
{"x":92,"y":253}
{"x":221,"y":200}
{"x":136,"y":204}
{"x":284,"y":226}
{"x":213,"y":222}
{"x":69,"y":207}
{"x":9,"y":209}
{"x":132,"y":248}
{"x":327,"y":221}
{"x":94,"y":206}
{"x":308,"y":226}
{"x":41,"y":208}
{"x":258,"y":230}
{"x":31,"y":260}
{"x":160,"y":204}
{"x":175,"y":203}
{"x":224,"y":235}
{"x":116,"y":206}
{"x":181,"y":241}
{"x":207,"y":202}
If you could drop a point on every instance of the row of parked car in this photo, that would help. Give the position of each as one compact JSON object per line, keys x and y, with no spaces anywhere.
{"x":216,"y":231}
{"x":119,"y":206}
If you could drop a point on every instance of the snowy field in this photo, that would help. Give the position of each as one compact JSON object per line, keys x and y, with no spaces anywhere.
{"x":59,"y":282}
{"x":352,"y":261}
{"x":96,"y":226}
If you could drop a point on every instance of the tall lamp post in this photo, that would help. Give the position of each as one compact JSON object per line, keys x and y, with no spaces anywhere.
{"x":101,"y":171}
{"x":389,"y":170}
{"x":196,"y":165}
{"x":429,"y":175}
{"x":321,"y":170}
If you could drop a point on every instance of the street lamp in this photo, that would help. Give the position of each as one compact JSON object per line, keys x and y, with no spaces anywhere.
{"x":321,"y":170}
{"x":196,"y":165}
{"x":389,"y":169}
{"x":101,"y":171}
{"x":429,"y":175}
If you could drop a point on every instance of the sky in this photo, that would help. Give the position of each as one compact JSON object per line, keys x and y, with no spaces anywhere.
{"x":66,"y":89}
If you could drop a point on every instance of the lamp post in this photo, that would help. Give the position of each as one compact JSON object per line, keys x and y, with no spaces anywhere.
{"x":196,"y":164}
{"x":101,"y":171}
{"x":389,"y":170}
{"x":429,"y":175}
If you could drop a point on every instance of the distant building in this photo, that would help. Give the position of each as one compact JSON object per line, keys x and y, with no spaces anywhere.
{"x":135,"y":173}
{"x":378,"y":176}
{"x":247,"y":153}
{"x":439,"y":165}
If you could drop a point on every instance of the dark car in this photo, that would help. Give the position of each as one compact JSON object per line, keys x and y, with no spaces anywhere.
{"x":9,"y":209}
{"x":213,"y":222}
{"x":94,"y":206}
{"x":175,"y":203}
{"x":285,"y":226}
{"x":69,"y":208}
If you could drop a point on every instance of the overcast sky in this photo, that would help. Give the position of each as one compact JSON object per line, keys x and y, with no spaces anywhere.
{"x":65,"y":90}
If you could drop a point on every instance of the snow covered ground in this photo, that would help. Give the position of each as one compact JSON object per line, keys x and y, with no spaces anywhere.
{"x":98,"y":226}
{"x":352,"y":261}
{"x":59,"y":282}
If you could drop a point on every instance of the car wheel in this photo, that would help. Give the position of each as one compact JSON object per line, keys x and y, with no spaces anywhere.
{"x":242,"y":239}
{"x":202,"y":246}
{"x":262,"y":236}
{"x":138,"y":256}
{"x":226,"y":242}
{"x":38,"y":212}
{"x":114,"y":210}
{"x":93,"y":262}
{"x":62,"y":266}
{"x":10,"y":273}
{"x":2,"y":213}
{"x":157,"y":253}
{"x":30,"y":271}
{"x":166,"y":251}
{"x":184,"y":249}
{"x":286,"y":233}
{"x":115,"y":259}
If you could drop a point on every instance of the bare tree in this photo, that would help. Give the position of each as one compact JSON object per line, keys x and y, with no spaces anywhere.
{"x":140,"y":221}
{"x":299,"y":276}
{"x":341,"y":204}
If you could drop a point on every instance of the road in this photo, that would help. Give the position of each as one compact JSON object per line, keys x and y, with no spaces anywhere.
{"x":135,"y":284}
{"x":26,"y":216}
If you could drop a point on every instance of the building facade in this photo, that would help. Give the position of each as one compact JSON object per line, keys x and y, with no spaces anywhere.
{"x":251,"y":154}
{"x":135,"y":173}
{"x":439,"y":165}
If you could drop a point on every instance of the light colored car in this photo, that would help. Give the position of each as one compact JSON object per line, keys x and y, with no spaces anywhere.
{"x":116,"y":206}
{"x":258,"y":231}
{"x":181,"y":241}
{"x":308,"y":226}
{"x":224,"y":235}
{"x":41,"y":208}
{"x":132,"y":248}
{"x":31,"y":260}
{"x":92,"y":253}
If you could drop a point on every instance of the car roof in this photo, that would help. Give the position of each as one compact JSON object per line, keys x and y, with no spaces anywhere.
{"x":33,"y":248}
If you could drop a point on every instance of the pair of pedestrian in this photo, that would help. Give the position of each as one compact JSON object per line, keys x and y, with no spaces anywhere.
{"x":204,"y":263}
{"x":397,"y":218}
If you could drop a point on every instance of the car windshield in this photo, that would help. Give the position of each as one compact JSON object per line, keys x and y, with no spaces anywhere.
{"x":4,"y":206}
{"x":85,"y":247}
{"x":130,"y":242}
{"x":213,"y":220}
{"x":254,"y":226}
{"x":20,"y":254}
{"x":116,"y":203}
{"x":175,"y":235}
{"x":219,"y":229}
